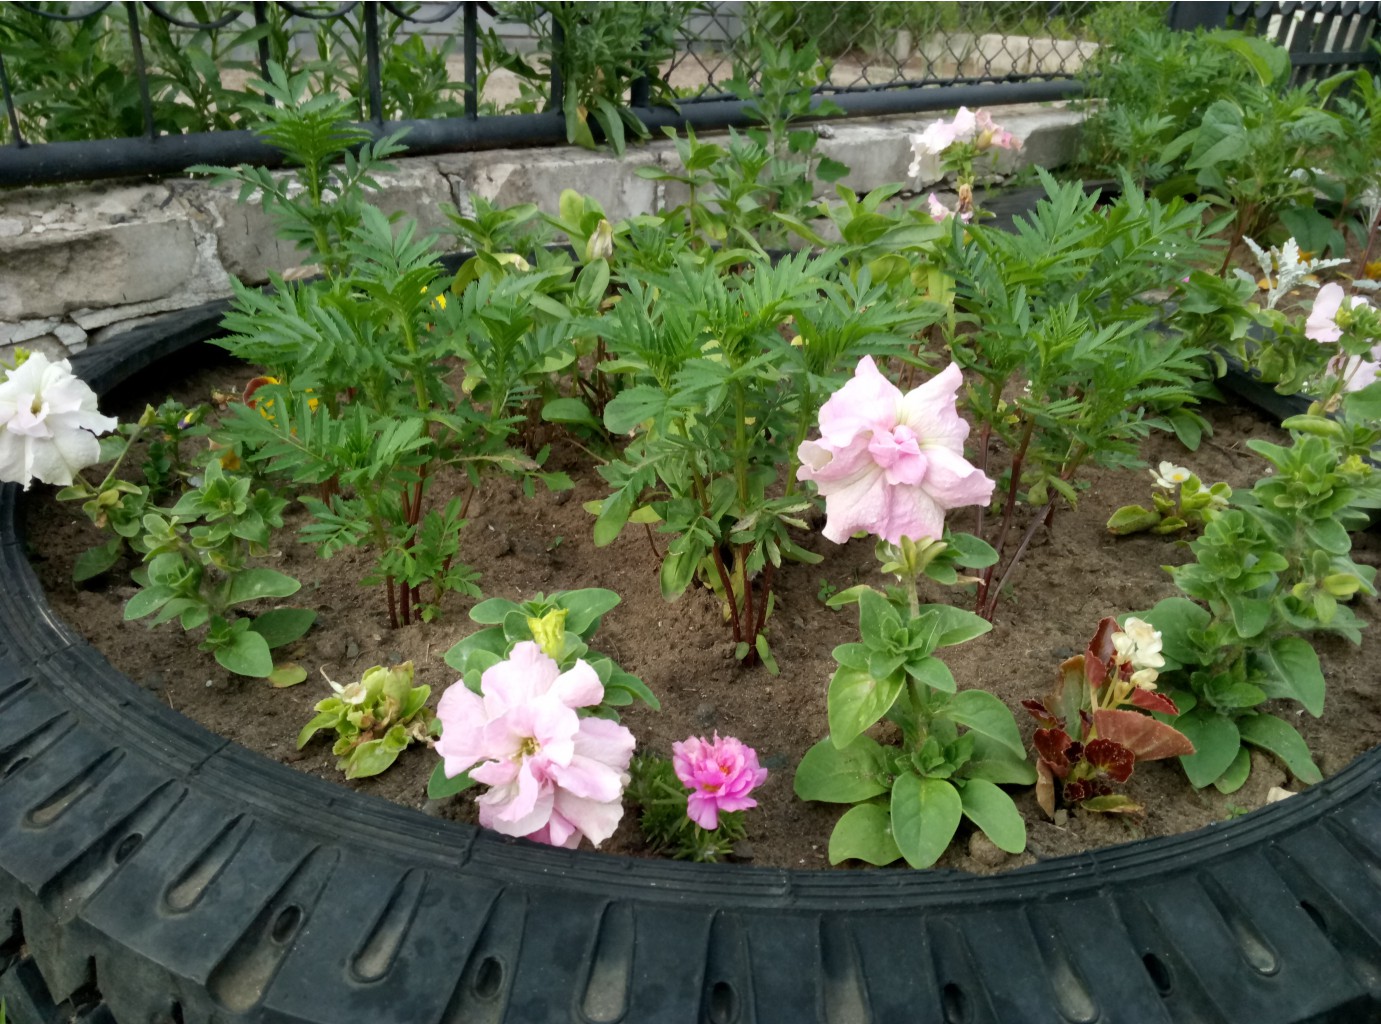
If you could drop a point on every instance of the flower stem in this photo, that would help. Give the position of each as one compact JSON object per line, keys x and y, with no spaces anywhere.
{"x":1008,"y":511}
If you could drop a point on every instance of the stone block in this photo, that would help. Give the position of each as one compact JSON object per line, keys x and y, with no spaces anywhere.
{"x":875,"y":155}
{"x":247,"y":242}
{"x":509,"y":177}
{"x":53,"y":273}
{"x":47,"y":344}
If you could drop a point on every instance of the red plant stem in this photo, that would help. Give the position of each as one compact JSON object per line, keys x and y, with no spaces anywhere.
{"x":728,"y":591}
{"x":392,"y":611}
{"x":1008,"y":510}
{"x":1030,"y":532}
{"x":405,"y":602}
{"x":652,"y":543}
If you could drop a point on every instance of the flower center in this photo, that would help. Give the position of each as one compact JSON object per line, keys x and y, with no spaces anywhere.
{"x":36,"y":406}
{"x":529,"y":747}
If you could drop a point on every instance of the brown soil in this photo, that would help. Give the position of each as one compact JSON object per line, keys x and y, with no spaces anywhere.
{"x":1071,"y":577}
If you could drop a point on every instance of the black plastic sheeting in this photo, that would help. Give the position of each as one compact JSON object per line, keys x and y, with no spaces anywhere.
{"x":151,"y":871}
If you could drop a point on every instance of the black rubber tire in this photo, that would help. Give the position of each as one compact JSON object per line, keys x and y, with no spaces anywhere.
{"x":186,"y":879}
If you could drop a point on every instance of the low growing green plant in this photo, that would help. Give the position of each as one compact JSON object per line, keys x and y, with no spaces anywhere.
{"x":197,"y":568}
{"x":661,"y":801}
{"x":956,"y":746}
{"x":1179,"y":501}
{"x":374,"y":720}
{"x":1267,"y":572}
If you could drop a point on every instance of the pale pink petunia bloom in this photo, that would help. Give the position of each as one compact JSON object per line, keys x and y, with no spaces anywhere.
{"x":1004,"y":139}
{"x":720,"y":775}
{"x":891,"y":464}
{"x":552,"y":775}
{"x":1322,"y":323}
{"x":1322,"y":326}
{"x":48,"y":423}
{"x":937,"y":210}
{"x":937,"y":137}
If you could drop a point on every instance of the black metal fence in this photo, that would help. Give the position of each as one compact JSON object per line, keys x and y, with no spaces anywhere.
{"x":107,"y":90}
{"x":1323,"y":37}
{"x":165,"y":84}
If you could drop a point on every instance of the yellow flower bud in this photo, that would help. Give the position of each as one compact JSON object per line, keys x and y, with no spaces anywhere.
{"x":550,"y":632}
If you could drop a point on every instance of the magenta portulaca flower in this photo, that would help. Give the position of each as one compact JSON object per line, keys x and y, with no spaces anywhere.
{"x":48,"y":423}
{"x":719,"y":774}
{"x":892,"y":464}
{"x":553,"y":776}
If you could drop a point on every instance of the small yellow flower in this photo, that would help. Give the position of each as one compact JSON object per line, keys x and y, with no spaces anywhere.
{"x":439,"y":302}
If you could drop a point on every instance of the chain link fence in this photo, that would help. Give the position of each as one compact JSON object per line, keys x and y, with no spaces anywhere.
{"x":895,"y":45}
{"x":163,"y":85}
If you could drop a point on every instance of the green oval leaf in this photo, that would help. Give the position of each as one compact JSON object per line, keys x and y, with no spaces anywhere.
{"x":856,"y":700}
{"x":986,"y":715}
{"x":283,"y":625}
{"x":255,"y":584}
{"x":1284,"y":741}
{"x":864,"y":833}
{"x":247,"y":654}
{"x":993,"y":811}
{"x":842,"y":776}
{"x":1216,"y":742}
{"x":439,"y":786}
{"x":1292,"y":671}
{"x":925,"y":815}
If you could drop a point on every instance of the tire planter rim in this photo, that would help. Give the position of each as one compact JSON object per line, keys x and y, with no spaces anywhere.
{"x":192,"y":872}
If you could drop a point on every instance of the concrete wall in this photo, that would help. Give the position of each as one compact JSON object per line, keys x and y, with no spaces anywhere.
{"x":80,"y":263}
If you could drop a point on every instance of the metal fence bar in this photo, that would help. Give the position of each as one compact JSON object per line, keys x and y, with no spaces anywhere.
{"x":140,"y":70}
{"x":260,"y":23}
{"x":372,"y":70}
{"x":18,"y":140}
{"x":472,"y":83}
{"x":171,"y":154}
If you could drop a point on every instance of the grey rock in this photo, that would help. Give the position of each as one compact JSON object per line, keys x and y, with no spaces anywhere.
{"x":73,"y":338}
{"x":742,"y":850}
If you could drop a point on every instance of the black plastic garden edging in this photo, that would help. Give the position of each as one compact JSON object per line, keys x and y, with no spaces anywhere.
{"x":154,"y":872}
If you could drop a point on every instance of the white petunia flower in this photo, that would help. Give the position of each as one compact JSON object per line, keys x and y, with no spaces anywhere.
{"x":1170,"y":475}
{"x":48,"y":423}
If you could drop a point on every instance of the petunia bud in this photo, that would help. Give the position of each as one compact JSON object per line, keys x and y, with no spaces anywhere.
{"x":601,"y":243}
{"x":549,"y":631}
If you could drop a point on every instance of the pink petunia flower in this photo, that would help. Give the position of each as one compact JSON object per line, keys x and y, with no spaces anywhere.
{"x":1322,"y":323}
{"x":720,"y":776}
{"x":891,"y":464}
{"x":552,"y":775}
{"x":1322,"y":326}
